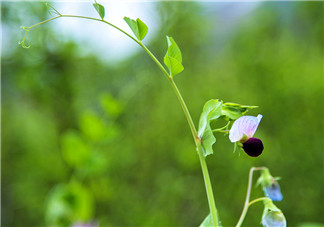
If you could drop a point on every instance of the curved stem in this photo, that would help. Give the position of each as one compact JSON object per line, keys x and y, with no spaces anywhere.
{"x":178,"y":94}
{"x":156,"y":61}
{"x":106,"y":22}
{"x":222,"y":128}
{"x":197,"y":140}
{"x":45,"y":21}
{"x":208,"y":186}
{"x":247,"y":199}
{"x":258,"y":200}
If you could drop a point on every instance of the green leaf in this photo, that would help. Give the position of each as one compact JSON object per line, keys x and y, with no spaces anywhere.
{"x":138,"y":27}
{"x":111,"y":105}
{"x":211,"y":111}
{"x":68,"y":202}
{"x":92,"y":126}
{"x":75,"y":151}
{"x":100,"y":9}
{"x":208,"y":139}
{"x":208,"y":222}
{"x":173,"y":57}
{"x":233,"y":111}
{"x":142,"y":28}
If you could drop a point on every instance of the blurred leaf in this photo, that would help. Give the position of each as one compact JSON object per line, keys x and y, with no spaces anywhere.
{"x":95,"y":166}
{"x":74,"y":150}
{"x":69,"y":203}
{"x":310,"y":224}
{"x":173,"y":57}
{"x":100,"y":9}
{"x":138,"y":27}
{"x":111,"y":105}
{"x":211,"y":111}
{"x":233,"y":111}
{"x":91,"y":126}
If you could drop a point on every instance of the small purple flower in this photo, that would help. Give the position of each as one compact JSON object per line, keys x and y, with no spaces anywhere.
{"x":273,"y":191}
{"x":243,"y":130}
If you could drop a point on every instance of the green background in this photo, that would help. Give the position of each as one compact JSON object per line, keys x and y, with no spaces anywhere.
{"x":84,"y":140}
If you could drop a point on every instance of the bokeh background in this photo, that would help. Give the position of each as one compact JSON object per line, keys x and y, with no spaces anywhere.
{"x":92,"y":131}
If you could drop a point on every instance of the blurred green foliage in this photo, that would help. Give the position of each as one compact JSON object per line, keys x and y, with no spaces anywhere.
{"x":87,"y":141}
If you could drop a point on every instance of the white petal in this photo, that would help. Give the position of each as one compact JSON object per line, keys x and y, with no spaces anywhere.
{"x":246,"y":125}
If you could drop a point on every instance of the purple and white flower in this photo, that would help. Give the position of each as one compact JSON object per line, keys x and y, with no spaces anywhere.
{"x":243,"y":130}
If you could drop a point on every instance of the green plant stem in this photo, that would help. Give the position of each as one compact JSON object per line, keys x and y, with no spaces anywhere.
{"x":258,"y":200}
{"x":209,"y":190}
{"x":247,"y":199}
{"x":208,"y":186}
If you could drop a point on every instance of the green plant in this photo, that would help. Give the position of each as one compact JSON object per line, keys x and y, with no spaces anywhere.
{"x":240,"y":128}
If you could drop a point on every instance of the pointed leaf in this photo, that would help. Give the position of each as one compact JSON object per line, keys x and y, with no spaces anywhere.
{"x":173,"y":49}
{"x":138,"y":27}
{"x":100,"y":9}
{"x":142,"y":28}
{"x":133,"y":25}
{"x":175,"y":67}
{"x":233,"y":111}
{"x":211,"y":111}
{"x":173,"y":57}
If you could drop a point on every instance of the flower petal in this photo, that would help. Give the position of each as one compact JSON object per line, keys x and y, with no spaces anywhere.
{"x":246,"y":125}
{"x":273,"y":192}
{"x":253,"y":147}
{"x":274,"y":218}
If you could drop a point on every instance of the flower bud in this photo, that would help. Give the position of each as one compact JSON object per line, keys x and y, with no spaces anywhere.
{"x":272,"y":216}
{"x":270,"y":185}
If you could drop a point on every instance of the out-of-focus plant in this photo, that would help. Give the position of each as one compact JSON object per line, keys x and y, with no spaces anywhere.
{"x":67,"y":200}
{"x":74,"y":201}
